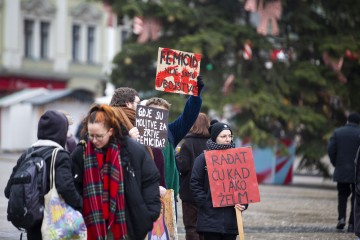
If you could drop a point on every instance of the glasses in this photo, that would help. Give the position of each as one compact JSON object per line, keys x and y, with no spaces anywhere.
{"x":96,"y":136}
{"x":226,"y":136}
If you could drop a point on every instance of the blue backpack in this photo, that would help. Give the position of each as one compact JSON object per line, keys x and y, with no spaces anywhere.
{"x":28,"y":186}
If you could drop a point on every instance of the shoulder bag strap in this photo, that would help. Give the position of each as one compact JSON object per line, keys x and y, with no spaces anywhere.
{"x":52,"y":167}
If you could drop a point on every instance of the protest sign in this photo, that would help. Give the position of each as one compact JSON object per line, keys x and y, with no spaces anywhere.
{"x":177,"y":71}
{"x":232,"y":176}
{"x":152,"y":125}
{"x":165,"y":227}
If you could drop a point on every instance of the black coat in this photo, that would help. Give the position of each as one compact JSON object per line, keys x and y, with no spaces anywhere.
{"x":52,"y":131}
{"x":141,"y":183}
{"x":357,"y":195}
{"x":193,"y":146}
{"x":63,"y":181}
{"x":210,"y":219}
{"x":342,"y":148}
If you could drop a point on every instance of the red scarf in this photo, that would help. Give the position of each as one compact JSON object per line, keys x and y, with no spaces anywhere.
{"x":104,"y":201}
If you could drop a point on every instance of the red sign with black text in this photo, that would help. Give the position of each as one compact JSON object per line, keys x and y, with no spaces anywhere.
{"x":232,"y":176}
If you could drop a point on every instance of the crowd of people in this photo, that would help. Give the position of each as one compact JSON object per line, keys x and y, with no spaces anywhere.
{"x":115,"y":182}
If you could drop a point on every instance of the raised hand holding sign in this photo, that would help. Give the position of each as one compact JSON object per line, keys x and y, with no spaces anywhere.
{"x":177,"y":71}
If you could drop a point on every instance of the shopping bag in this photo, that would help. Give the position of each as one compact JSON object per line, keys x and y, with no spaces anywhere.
{"x":60,"y":220}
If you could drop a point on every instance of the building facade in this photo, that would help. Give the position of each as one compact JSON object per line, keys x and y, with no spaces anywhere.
{"x":56,"y":44}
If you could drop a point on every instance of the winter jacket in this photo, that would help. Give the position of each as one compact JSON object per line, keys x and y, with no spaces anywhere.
{"x":63,"y":181}
{"x":342,"y":148}
{"x":52,"y":130}
{"x":210,"y":219}
{"x":193,"y":146}
{"x":141,"y":183}
{"x":176,"y":132}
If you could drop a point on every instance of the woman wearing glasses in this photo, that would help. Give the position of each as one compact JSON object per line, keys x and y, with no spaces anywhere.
{"x":117,"y":178}
{"x":213,"y":223}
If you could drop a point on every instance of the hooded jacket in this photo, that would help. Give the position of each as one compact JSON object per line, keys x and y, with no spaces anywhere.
{"x":52,"y":131}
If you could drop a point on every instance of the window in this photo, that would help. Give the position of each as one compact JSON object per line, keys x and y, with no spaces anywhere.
{"x":91,"y":44}
{"x":83,"y":43}
{"x":29,"y":38}
{"x":44,"y":40}
{"x":76,"y":43}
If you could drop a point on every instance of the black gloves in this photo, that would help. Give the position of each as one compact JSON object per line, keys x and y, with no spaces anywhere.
{"x":200,"y":84}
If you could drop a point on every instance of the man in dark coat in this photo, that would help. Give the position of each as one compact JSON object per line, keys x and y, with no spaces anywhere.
{"x":342,"y":148}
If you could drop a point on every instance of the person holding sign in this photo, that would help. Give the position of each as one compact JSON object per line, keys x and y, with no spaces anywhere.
{"x":213,"y":223}
{"x":126,"y":100}
{"x":176,"y":132}
{"x":117,"y":178}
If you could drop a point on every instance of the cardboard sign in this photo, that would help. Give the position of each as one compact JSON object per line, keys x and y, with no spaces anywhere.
{"x":177,"y":71}
{"x":232,"y":176}
{"x":152,"y":125}
{"x":165,"y":227}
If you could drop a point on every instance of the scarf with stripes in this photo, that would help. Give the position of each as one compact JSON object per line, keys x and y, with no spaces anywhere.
{"x":104,"y":201}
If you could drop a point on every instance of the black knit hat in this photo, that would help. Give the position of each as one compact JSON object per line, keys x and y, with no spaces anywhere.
{"x":216,"y":127}
{"x":53,"y":126}
{"x":354,"y":117}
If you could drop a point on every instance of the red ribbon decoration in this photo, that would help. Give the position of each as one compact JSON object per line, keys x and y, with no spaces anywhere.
{"x":269,"y":13}
{"x":335,"y":65}
{"x":147,"y":28}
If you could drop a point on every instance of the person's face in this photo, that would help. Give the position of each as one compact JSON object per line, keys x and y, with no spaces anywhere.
{"x":133,"y":104}
{"x":157,"y":106}
{"x":224,"y":137}
{"x":98,"y":134}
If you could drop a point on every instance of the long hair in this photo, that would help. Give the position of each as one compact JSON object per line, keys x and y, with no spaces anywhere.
{"x":201,"y":125}
{"x":126,"y":118}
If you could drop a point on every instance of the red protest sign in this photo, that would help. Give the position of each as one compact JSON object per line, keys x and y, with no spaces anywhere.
{"x":177,"y":71}
{"x":232,"y":176}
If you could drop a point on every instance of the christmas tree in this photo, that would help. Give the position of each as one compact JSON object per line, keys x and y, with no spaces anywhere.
{"x":285,"y":69}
